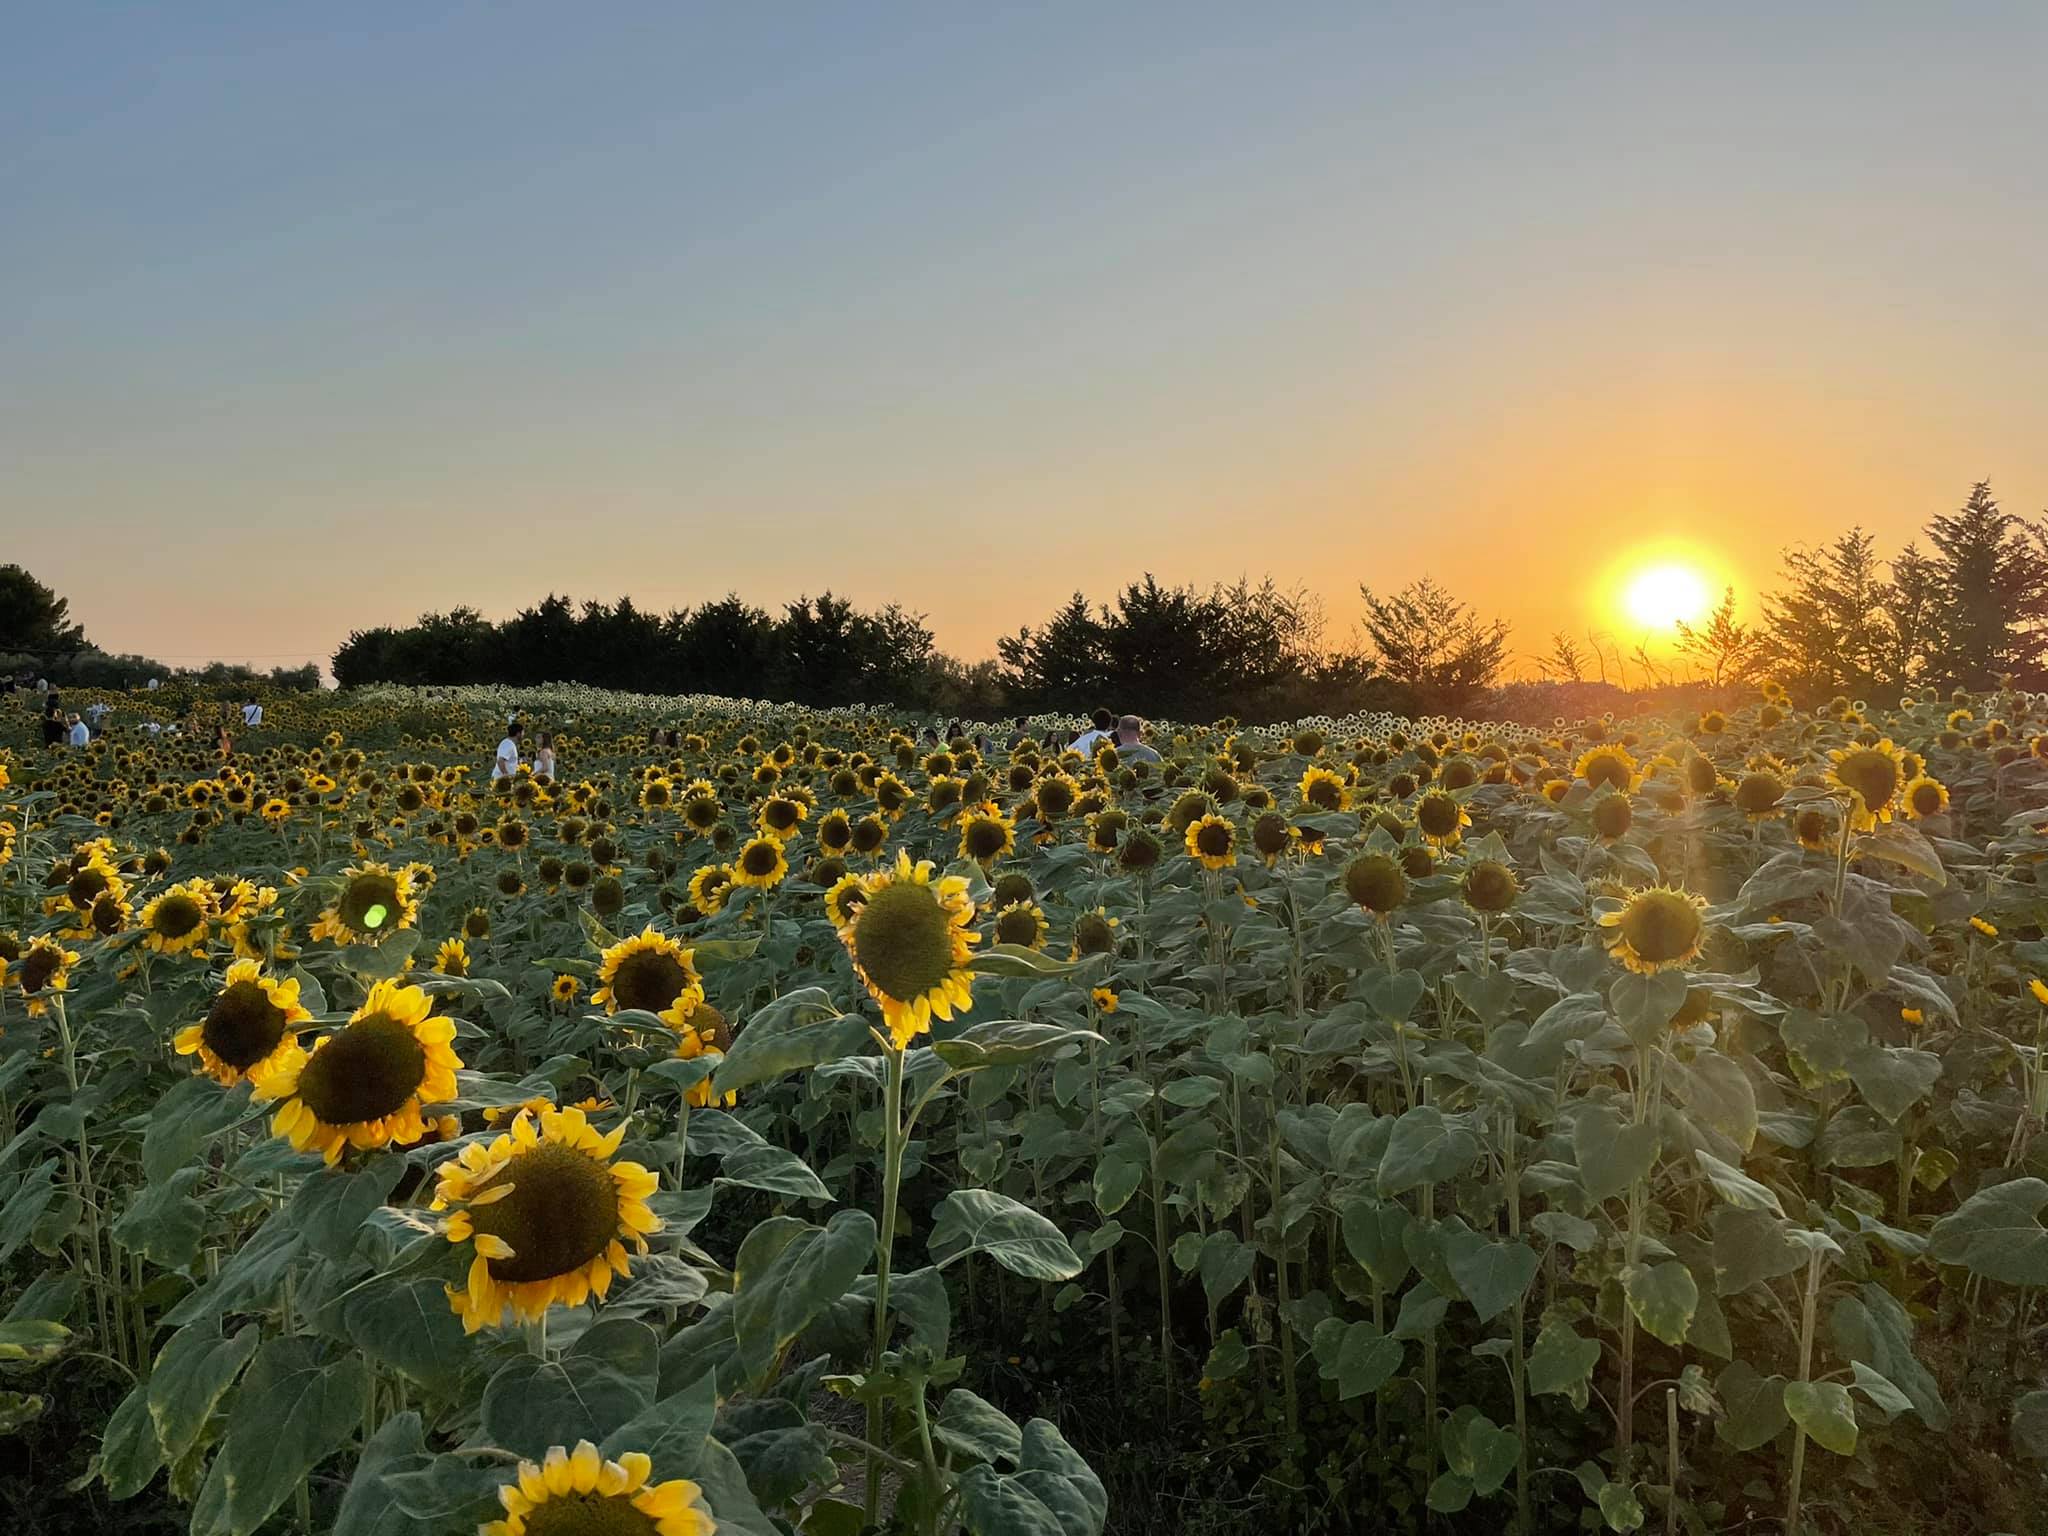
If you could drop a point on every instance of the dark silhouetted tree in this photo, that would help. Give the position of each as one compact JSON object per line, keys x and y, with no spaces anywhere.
{"x":33,"y":618}
{"x":1990,"y":578}
{"x":1430,"y":643}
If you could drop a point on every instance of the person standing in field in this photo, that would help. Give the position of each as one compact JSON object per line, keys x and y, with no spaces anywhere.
{"x":79,"y":733}
{"x":1129,"y":740}
{"x":53,"y":720}
{"x":506,"y":764}
{"x":1101,"y":728}
{"x":252,"y":714}
{"x":544,"y":756}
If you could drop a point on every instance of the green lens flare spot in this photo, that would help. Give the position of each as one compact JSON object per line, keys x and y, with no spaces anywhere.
{"x":374,"y":918}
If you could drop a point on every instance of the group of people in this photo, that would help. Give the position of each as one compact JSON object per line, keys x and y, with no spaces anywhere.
{"x":506,"y":764}
{"x":72,"y":729}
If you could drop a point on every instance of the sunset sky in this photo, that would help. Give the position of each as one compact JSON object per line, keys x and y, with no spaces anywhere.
{"x":313,"y":317}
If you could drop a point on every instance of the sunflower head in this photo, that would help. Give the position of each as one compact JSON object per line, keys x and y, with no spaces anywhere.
{"x":1212,"y":842}
{"x":1872,"y":776}
{"x":1757,"y":795}
{"x":374,"y":902}
{"x":42,"y":971}
{"x":1376,"y":883}
{"x":1489,"y":886}
{"x":909,"y":941}
{"x":652,"y":972}
{"x":1658,"y":928}
{"x":708,"y":887}
{"x":1924,"y":797}
{"x":175,"y":923}
{"x":1140,"y":850}
{"x":363,"y":1086}
{"x":1608,"y":764}
{"x":1094,"y":933}
{"x":579,"y":1493}
{"x":452,"y":958}
{"x":1272,"y":835}
{"x":549,"y":1215}
{"x":1439,"y":817}
{"x":1022,"y":922}
{"x":1612,"y":816}
{"x":251,"y":1028}
{"x":761,"y":863}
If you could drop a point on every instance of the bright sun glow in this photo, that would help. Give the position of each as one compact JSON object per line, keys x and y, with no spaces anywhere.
{"x":1664,"y":596}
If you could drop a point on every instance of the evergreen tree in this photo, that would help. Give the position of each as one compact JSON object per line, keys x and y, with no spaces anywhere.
{"x":33,"y":619}
{"x":1990,"y":611}
{"x":1435,"y":646}
{"x":1831,"y":630}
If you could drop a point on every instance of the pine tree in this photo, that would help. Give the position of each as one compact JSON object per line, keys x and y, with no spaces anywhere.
{"x":1831,"y":630}
{"x":1428,"y":641}
{"x":1990,"y":576}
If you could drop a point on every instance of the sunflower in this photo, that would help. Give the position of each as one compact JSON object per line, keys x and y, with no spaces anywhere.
{"x":175,"y":923}
{"x":363,"y":1085}
{"x":1612,"y":816}
{"x":1104,"y":999}
{"x":1376,"y":883}
{"x":1872,"y":777}
{"x":761,"y":864}
{"x":909,"y":941}
{"x":835,"y":831}
{"x":1657,"y":929}
{"x":452,"y":958}
{"x":373,"y":903}
{"x":844,"y":897}
{"x":1757,"y":795}
{"x":707,"y":1031}
{"x":1923,"y":797}
{"x":1440,"y":818}
{"x":653,"y":973}
{"x":1608,"y":764}
{"x":1212,"y":842}
{"x":1322,"y":790}
{"x":781,"y":817}
{"x":708,"y":887}
{"x":1021,"y":922}
{"x":1489,"y":886}
{"x":251,"y":1028}
{"x":1554,"y":790}
{"x":578,"y":1493}
{"x":43,"y":970}
{"x":869,"y":834}
{"x":1814,"y":828}
{"x":565,"y":989}
{"x":548,"y":1213}
{"x":986,"y":834}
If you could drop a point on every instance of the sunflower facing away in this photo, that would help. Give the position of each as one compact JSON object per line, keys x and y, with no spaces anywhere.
{"x":650,"y":971}
{"x":548,"y":1213}
{"x":909,"y":941}
{"x":580,"y":1494}
{"x":1872,"y":776}
{"x":1658,"y":929}
{"x":373,"y":903}
{"x":363,"y":1085}
{"x":251,"y":1029}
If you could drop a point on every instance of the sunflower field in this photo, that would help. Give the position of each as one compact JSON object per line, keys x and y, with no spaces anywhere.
{"x":793,"y":1121}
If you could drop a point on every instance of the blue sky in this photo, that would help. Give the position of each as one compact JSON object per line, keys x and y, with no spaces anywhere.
{"x":313,"y":317}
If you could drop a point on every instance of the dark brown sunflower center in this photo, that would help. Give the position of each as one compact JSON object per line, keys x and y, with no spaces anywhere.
{"x":1758,"y":792}
{"x":85,"y":887}
{"x":1269,"y":832}
{"x":562,"y":1213}
{"x":106,"y":916}
{"x":904,"y":940}
{"x":365,"y":1072}
{"x":1926,"y":799}
{"x":868,"y":835}
{"x":178,"y":916}
{"x":39,"y":969}
{"x":1661,"y":927}
{"x":1490,"y":886}
{"x":1213,"y":839}
{"x":758,"y":859}
{"x":1872,"y":774}
{"x":984,"y":838}
{"x":1019,"y":925}
{"x":1093,"y":935}
{"x":780,"y":814}
{"x":649,"y":978}
{"x":1437,"y":815}
{"x":1055,"y":797}
{"x":1325,"y":794}
{"x":369,"y":902}
{"x":243,"y":1026}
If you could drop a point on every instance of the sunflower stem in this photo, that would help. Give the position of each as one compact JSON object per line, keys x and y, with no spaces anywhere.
{"x":892,"y":1177}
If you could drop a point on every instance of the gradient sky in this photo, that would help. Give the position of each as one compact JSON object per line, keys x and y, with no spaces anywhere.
{"x":312,"y":317}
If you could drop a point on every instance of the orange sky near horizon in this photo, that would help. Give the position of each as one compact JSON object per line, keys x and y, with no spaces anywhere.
{"x":313,"y":327}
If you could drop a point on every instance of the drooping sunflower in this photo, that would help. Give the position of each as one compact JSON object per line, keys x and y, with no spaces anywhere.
{"x":1612,"y":815}
{"x":1609,"y":764}
{"x":43,"y":971}
{"x":1322,"y":790}
{"x":1212,"y":842}
{"x":986,"y":834}
{"x":579,"y":1493}
{"x":1376,"y":883}
{"x":1489,"y":886}
{"x":909,"y":941}
{"x":1758,"y":793}
{"x":1657,"y":929}
{"x":374,"y":902}
{"x":1021,"y":922}
{"x":1815,"y":829}
{"x":250,"y":1030}
{"x":761,"y":863}
{"x":1923,"y":797}
{"x":1872,"y":777}
{"x":363,"y":1086}
{"x":549,"y":1214}
{"x":652,"y":972}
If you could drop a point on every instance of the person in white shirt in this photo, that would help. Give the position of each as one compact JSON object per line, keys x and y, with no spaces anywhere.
{"x":1103,"y":723}
{"x":252,"y":713}
{"x":506,"y":765}
{"x":544,"y":756}
{"x":79,"y":734}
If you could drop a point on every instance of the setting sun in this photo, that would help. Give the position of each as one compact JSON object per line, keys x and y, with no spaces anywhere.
{"x":1665,"y":596}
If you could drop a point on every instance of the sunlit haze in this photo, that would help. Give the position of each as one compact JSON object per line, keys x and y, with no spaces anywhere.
{"x":318,"y":317}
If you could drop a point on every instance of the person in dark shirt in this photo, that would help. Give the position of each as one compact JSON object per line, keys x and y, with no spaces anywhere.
{"x":53,"y":720}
